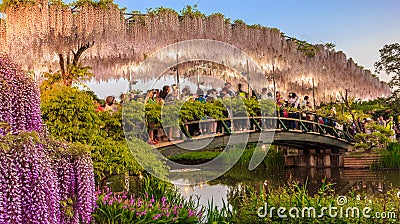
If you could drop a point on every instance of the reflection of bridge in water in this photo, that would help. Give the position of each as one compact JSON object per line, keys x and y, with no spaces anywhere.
{"x":318,"y":145}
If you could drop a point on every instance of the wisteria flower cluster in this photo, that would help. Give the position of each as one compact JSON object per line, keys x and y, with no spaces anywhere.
{"x":41,"y":180}
{"x":19,"y":99}
{"x":37,"y":174}
{"x":123,"y":209}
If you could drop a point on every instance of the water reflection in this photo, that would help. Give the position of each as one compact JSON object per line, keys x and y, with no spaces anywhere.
{"x":361,"y":181}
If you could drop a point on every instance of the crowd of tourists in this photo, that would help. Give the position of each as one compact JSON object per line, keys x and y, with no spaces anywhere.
{"x":293,"y":106}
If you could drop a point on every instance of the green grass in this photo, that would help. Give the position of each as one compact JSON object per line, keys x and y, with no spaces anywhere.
{"x":196,"y":156}
{"x":390,"y":158}
{"x":274,"y":158}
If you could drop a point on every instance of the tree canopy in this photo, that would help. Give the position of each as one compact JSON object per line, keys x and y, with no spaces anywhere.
{"x":389,"y":62}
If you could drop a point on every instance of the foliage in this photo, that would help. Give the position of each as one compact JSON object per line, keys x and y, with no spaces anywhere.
{"x":197,"y":156}
{"x":192,"y":12}
{"x":247,"y":201}
{"x":256,"y":26}
{"x":160,"y":11}
{"x":114,"y":208}
{"x":103,"y":4}
{"x":5,"y":4}
{"x":239,"y":22}
{"x":112,"y":125}
{"x":302,"y":46}
{"x":330,"y":46}
{"x":390,"y":159}
{"x":70,"y":114}
{"x":133,"y":119}
{"x":390,"y":63}
{"x":58,"y":2}
{"x":193,"y":110}
{"x":379,"y":137}
{"x":218,"y":14}
{"x":274,"y":157}
{"x":113,"y":158}
{"x":73,"y":74}
{"x":215,"y":214}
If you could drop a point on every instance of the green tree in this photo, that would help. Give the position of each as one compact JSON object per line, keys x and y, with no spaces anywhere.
{"x":389,"y":62}
{"x":379,"y":137}
{"x":70,"y":114}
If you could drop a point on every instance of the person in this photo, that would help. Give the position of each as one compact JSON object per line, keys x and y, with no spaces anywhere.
{"x":390,"y":125}
{"x":165,"y":91}
{"x":157,"y":97}
{"x":151,"y":123}
{"x":173,"y":95}
{"x":279,"y":99}
{"x":304,"y":105}
{"x":150,"y":97}
{"x":333,"y":112}
{"x":111,"y":105}
{"x":200,"y":96}
{"x":228,"y":90}
{"x":381,"y":121}
{"x":241,"y":93}
{"x":321,"y":120}
{"x":264,"y":94}
{"x":223,"y":94}
{"x":212,"y":95}
{"x":99,"y":107}
{"x":185,"y":93}
{"x":293,"y":100}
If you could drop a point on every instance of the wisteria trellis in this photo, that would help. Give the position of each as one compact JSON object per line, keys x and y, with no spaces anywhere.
{"x":45,"y":30}
{"x":37,"y":173}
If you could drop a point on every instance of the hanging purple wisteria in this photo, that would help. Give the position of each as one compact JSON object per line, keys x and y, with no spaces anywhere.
{"x":19,"y":99}
{"x":41,"y":180}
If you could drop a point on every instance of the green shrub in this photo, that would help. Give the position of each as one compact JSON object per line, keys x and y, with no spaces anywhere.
{"x":390,"y":159}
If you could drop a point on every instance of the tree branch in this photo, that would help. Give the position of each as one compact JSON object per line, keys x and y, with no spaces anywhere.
{"x":80,"y":51}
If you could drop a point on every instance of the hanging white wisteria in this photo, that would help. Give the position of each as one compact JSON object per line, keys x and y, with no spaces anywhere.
{"x":42,"y":31}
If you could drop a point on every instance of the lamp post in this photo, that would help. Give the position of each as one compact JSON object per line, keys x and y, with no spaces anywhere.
{"x":313,"y":93}
{"x":130,"y":80}
{"x":177,"y":77}
{"x":248,"y":79}
{"x":272,"y":77}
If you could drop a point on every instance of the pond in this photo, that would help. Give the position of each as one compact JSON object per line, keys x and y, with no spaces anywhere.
{"x":361,"y":181}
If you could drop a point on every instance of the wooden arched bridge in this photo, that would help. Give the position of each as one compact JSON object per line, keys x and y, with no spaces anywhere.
{"x":305,"y":135}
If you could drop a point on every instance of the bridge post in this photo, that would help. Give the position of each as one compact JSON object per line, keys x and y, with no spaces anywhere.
{"x":327,"y":160}
{"x":341,"y":160}
{"x":312,"y":162}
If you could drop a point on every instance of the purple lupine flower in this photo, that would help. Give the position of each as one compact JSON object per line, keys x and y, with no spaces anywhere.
{"x":157,"y":216}
{"x":164,"y":201}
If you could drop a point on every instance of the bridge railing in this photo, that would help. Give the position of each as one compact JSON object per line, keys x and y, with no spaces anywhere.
{"x":227,"y":126}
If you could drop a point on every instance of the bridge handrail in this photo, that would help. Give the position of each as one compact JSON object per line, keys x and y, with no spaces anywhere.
{"x":320,"y":128}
